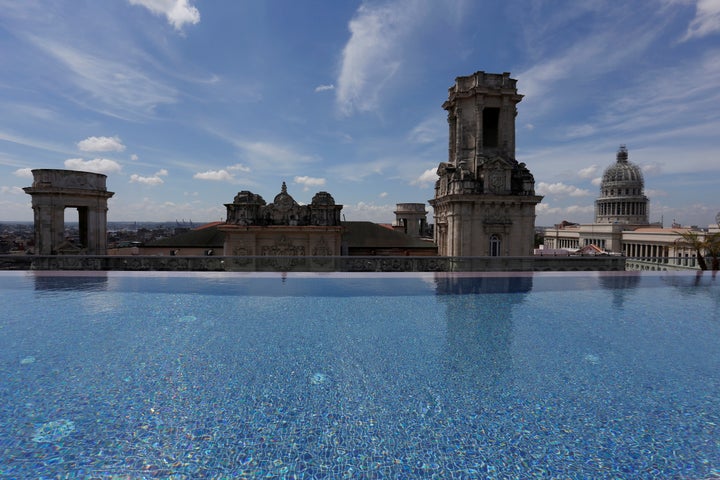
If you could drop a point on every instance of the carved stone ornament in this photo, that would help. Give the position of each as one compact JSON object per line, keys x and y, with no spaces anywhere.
{"x":497,"y":181}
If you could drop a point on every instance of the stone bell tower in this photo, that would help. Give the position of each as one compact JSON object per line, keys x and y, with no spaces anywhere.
{"x":484,"y":199}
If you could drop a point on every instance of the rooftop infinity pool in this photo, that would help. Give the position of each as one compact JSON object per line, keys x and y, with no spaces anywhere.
{"x":231,"y":375}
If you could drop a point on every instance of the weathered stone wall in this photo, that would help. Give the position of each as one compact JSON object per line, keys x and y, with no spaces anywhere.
{"x":52,"y":192}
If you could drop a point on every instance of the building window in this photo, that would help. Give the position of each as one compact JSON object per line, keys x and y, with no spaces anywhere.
{"x":494,"y":246}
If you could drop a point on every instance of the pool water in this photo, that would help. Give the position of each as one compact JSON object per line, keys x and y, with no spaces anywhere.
{"x":593,"y":375}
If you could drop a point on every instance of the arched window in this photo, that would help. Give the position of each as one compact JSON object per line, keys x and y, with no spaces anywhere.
{"x":494,"y":246}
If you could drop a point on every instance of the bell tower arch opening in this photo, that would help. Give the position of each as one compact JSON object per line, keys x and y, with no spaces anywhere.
{"x":55,"y":193}
{"x":490,"y":123}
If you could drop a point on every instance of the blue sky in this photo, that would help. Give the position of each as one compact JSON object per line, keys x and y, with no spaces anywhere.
{"x":183,"y":103}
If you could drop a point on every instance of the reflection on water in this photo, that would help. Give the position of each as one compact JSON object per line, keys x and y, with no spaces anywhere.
{"x":479,"y":327}
{"x":70,"y":282}
{"x":621,"y":286}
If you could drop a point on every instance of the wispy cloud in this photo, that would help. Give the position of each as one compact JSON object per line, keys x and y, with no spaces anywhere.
{"x":606,"y":45}
{"x":430,"y":130}
{"x":706,"y":21}
{"x":360,"y":171}
{"x":177,"y":12}
{"x":264,"y":156}
{"x":112,"y":84}
{"x":239,"y":167}
{"x":374,"y":52}
{"x":324,"y":88}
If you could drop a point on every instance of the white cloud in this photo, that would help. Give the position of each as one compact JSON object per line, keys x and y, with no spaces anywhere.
{"x":308,"y":182}
{"x":12,"y":190}
{"x":561,"y":189}
{"x":215,"y":175}
{"x":363,"y":211}
{"x":177,"y":12}
{"x":588,"y":172}
{"x":706,"y":21}
{"x":226,"y":174}
{"x":596,"y":181}
{"x":152,"y":181}
{"x":383,"y":194}
{"x":427,"y":178}
{"x":101,"y":144}
{"x":23,"y":173}
{"x":324,"y":88}
{"x":97,"y":165}
{"x":134,"y":157}
{"x":374,"y":52}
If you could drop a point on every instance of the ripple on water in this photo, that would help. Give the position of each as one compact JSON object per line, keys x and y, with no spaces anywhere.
{"x":592,"y":358}
{"x":51,"y":432}
{"x":319,"y":378}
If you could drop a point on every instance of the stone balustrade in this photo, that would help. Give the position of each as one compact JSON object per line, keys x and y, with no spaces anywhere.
{"x":311,"y":264}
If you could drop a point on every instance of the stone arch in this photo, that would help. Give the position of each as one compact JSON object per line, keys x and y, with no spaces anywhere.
{"x":52,"y":192}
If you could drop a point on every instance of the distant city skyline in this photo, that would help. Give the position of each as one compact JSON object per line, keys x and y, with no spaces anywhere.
{"x":183,"y":103}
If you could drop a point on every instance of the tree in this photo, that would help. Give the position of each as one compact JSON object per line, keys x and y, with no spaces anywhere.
{"x":695,"y":241}
{"x":712,"y":246}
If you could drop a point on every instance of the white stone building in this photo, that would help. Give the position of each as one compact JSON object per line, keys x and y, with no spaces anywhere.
{"x":622,"y":225}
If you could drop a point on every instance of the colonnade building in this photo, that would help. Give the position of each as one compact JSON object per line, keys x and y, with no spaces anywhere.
{"x":622,"y":225}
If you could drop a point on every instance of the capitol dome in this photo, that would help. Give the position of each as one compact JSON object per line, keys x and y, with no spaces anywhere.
{"x":623,"y":173}
{"x":622,"y":197}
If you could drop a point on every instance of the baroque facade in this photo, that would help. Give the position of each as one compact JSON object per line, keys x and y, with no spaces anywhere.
{"x":282,"y":228}
{"x":484,"y":198}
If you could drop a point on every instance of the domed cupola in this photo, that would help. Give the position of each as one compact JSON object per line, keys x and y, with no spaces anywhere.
{"x":623,"y":172}
{"x":622,"y":198}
